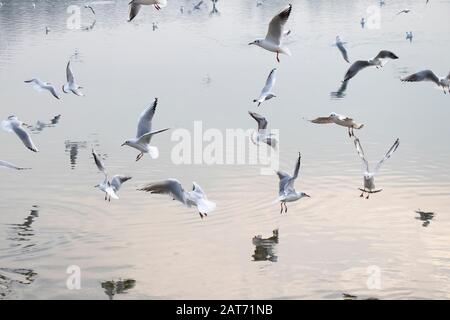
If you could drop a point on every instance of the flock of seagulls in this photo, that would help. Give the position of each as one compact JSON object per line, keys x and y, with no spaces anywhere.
{"x":273,"y":42}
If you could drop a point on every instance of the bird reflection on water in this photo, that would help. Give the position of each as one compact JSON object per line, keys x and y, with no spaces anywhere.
{"x":117,"y":287}
{"x":265,"y":248}
{"x":426,"y":217}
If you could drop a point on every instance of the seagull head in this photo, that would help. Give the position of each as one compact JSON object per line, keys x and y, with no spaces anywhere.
{"x":256,"y":42}
{"x":126,"y":143}
{"x":303,"y":195}
{"x":333,"y":115}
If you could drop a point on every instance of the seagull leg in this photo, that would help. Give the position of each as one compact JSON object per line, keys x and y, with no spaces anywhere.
{"x":205,"y":214}
{"x":281,"y":205}
{"x":362,"y":194}
{"x":285,"y":207}
{"x":106,"y":196}
{"x":278,"y":58}
{"x":349,"y":133}
{"x":201,"y":216}
{"x":140,"y":155}
{"x":353,"y":132}
{"x":367,"y":195}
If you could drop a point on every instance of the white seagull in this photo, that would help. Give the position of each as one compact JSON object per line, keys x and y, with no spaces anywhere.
{"x":263,"y":135}
{"x":275,"y":34}
{"x":378,"y":62}
{"x":287,"y":191}
{"x":40,"y":86}
{"x":428,"y":75}
{"x":88,"y":6}
{"x":13,"y":124}
{"x":71,"y":85}
{"x":110,"y":188}
{"x":266,"y":92}
{"x":340,"y":120}
{"x":404,"y":11}
{"x":369,"y":184}
{"x":4,"y":164}
{"x":409,"y":36}
{"x":145,"y":133}
{"x":340,"y":46}
{"x":135,"y":6}
{"x":173,"y":188}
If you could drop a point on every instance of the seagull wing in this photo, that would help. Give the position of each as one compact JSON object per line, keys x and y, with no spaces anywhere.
{"x":276,"y":26}
{"x":360,"y":151}
{"x":270,"y":82}
{"x":53,"y":91}
{"x":385,"y":54}
{"x":133,"y":10}
{"x":355,"y":68}
{"x":343,"y":51}
{"x":25,"y":137}
{"x":171,"y":187}
{"x":322,"y":120}
{"x":262,"y":122}
{"x":425,"y":75}
{"x":117,"y":181}
{"x":99,"y":162}
{"x":297,"y":166}
{"x":388,"y":154}
{"x":8,"y":165}
{"x":197,"y":189}
{"x":145,"y":119}
{"x":146,"y":138}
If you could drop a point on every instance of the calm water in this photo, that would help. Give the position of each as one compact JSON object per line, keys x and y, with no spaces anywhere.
{"x":201,"y":68}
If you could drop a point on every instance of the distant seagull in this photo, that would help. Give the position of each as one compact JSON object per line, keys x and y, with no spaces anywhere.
{"x":87,"y":6}
{"x":341,"y":121}
{"x":428,"y":75}
{"x":47,"y":30}
{"x":287,"y":191}
{"x":40,"y":86}
{"x":266,"y":92}
{"x":71,"y":85}
{"x":409,"y":36}
{"x":40,"y":126}
{"x":13,"y":124}
{"x":4,"y":164}
{"x":341,"y":91}
{"x":263,"y":135}
{"x":214,"y":8}
{"x":340,"y":46}
{"x":173,"y":188}
{"x":404,"y":11}
{"x":379,"y":61}
{"x":198,"y":5}
{"x":144,"y":133}
{"x":155,"y":26}
{"x":273,"y":40}
{"x":109,"y":188}
{"x":369,"y":184}
{"x":259,"y":3}
{"x":363,"y":22}
{"x":135,"y":6}
{"x":382,"y":3}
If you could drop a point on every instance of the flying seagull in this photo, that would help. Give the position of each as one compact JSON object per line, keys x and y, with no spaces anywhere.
{"x":340,"y":46}
{"x":409,"y":36}
{"x":4,"y":164}
{"x":287,"y":191}
{"x":428,"y":75}
{"x":198,"y":5}
{"x":369,"y":184}
{"x":263,"y":134}
{"x":173,"y":188}
{"x":135,"y":6}
{"x":40,"y":86}
{"x":144,"y":133}
{"x":404,"y":11}
{"x":379,"y":61}
{"x":275,"y":33}
{"x":13,"y":124}
{"x":71,"y":85}
{"x":339,"y":120}
{"x":87,"y":6}
{"x":110,"y":188}
{"x":266,"y":92}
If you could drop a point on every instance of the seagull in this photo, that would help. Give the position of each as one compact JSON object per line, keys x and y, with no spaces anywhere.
{"x":363,"y":22}
{"x":13,"y":124}
{"x":263,"y":135}
{"x":266,"y":92}
{"x":428,"y":75}
{"x":155,"y":26}
{"x":275,"y":33}
{"x":144,"y":133}
{"x":409,"y":36}
{"x":214,"y":8}
{"x":369,"y":184}
{"x":287,"y":191}
{"x":71,"y":85}
{"x":182,"y":9}
{"x":109,"y":188}
{"x":198,"y":5}
{"x":341,"y":48}
{"x":173,"y":188}
{"x":40,"y":86}
{"x":341,"y":121}
{"x":379,"y":61}
{"x":47,"y":30}
{"x":4,"y":164}
{"x":135,"y":6}
{"x":404,"y":11}
{"x":382,"y":3}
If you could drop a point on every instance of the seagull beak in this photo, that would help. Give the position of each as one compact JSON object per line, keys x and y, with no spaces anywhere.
{"x":307,"y":195}
{"x":122,"y":144}
{"x":96,"y":186}
{"x":251,"y":43}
